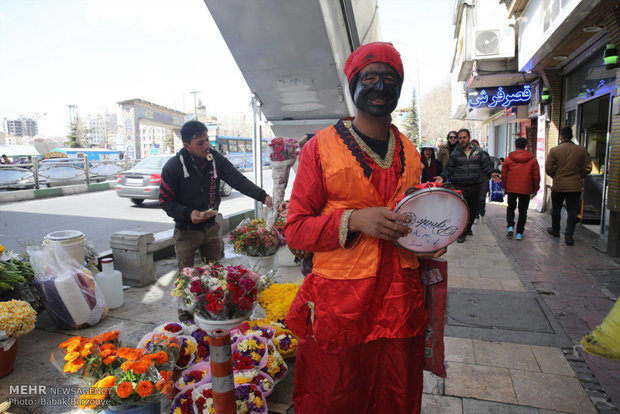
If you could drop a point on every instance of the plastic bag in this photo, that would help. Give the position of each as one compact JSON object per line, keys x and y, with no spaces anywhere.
{"x":496,"y":192}
{"x":605,"y":339}
{"x":434,"y":275}
{"x":68,"y":290}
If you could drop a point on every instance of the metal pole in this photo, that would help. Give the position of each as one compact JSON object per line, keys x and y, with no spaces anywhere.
{"x":86,"y":172}
{"x":419,"y":99}
{"x":195,"y":105}
{"x":257,"y":149}
{"x":35,"y":171}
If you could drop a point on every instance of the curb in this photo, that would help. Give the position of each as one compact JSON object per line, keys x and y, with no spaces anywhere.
{"x":22,"y":195}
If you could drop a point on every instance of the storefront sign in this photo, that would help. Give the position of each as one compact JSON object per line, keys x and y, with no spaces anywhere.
{"x":541,"y":139}
{"x":504,"y":96}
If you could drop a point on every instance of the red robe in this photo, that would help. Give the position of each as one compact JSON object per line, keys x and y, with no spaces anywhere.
{"x":361,"y":348}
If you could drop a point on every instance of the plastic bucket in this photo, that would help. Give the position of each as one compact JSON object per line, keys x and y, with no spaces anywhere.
{"x":209,"y":325}
{"x":72,"y":242}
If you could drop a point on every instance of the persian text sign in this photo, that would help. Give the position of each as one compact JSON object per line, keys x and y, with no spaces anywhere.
{"x":503,"y":96}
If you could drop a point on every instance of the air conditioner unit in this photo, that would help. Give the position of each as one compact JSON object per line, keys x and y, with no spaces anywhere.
{"x":493,"y":43}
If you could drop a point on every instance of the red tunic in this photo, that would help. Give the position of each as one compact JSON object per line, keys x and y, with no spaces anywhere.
{"x":360,"y":332}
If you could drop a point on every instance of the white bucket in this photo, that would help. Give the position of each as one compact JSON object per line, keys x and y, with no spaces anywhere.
{"x":228,"y":324}
{"x":72,"y":242}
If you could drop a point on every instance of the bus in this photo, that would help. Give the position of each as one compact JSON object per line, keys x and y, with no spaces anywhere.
{"x":238,"y":150}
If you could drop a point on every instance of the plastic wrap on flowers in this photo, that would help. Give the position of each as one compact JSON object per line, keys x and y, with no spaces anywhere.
{"x":250,"y":400}
{"x":194,"y":376}
{"x":171,"y":328}
{"x":249,"y":352}
{"x":68,"y":290}
{"x":79,"y":359}
{"x":187,"y":354}
{"x":183,"y":403}
{"x":265,"y":330}
{"x":276,"y":367}
{"x":259,"y":378}
{"x":280,"y":172}
{"x":202,"y":340}
{"x":286,"y":343}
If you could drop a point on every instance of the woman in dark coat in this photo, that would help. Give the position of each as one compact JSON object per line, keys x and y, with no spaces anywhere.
{"x":431,"y":167}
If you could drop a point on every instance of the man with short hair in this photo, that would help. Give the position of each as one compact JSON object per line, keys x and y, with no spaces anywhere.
{"x":189,"y":193}
{"x":521,"y":180}
{"x":466,"y":168}
{"x":568,"y":164}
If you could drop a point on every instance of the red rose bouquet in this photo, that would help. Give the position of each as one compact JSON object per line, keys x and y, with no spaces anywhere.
{"x":252,"y":238}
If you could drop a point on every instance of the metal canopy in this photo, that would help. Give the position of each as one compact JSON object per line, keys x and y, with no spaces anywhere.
{"x":291,"y":52}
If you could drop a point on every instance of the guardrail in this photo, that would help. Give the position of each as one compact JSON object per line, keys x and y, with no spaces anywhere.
{"x":58,"y":172}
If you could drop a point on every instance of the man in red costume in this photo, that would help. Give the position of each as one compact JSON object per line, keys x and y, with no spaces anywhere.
{"x":360,"y":314}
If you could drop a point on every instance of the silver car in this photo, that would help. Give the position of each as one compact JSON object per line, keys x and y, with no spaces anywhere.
{"x":141,"y":182}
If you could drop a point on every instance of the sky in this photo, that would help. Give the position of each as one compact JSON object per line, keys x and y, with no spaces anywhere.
{"x":94,"y":53}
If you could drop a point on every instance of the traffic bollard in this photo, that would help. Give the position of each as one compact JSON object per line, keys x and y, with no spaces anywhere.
{"x":222,"y":378}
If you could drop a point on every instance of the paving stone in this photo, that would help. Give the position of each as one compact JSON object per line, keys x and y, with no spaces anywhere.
{"x":505,"y":355}
{"x":432,"y":384}
{"x":554,"y":392}
{"x":459,"y":350}
{"x":552,"y":361}
{"x":480,"y":382}
{"x":434,"y":404}
{"x":487,"y":407}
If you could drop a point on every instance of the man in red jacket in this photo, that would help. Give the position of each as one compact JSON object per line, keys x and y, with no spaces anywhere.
{"x":521,"y":180}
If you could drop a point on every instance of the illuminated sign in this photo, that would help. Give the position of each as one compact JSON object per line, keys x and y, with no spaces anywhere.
{"x":503,"y":96}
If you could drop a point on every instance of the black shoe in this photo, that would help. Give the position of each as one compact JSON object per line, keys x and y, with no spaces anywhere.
{"x":569,"y":240}
{"x":470,"y":233}
{"x":553,"y":232}
{"x":461,"y":239}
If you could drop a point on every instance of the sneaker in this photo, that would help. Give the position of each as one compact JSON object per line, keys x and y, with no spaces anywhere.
{"x":461,"y":239}
{"x":510,"y":231}
{"x":483,"y":220}
{"x":569,"y":240}
{"x":519,"y":236}
{"x":477,"y":221}
{"x":553,"y":232}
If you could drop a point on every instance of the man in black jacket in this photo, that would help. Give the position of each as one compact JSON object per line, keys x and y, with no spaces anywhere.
{"x":467,"y":167}
{"x":190,"y":183}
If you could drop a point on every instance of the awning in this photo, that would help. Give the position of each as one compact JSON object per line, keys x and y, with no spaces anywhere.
{"x":18,"y":150}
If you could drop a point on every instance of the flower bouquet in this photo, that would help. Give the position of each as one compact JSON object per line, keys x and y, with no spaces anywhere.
{"x":17,"y":318}
{"x":276,"y":367}
{"x":195,"y":375}
{"x":277,"y":300}
{"x":253,"y":347}
{"x":249,"y":399}
{"x":183,"y":403}
{"x":216,"y":292}
{"x":253,"y":376}
{"x":80,"y":359}
{"x":187,"y":353}
{"x":284,"y":152}
{"x":252,"y":238}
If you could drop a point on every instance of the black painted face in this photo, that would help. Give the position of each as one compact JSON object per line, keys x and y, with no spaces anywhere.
{"x":377,"y":90}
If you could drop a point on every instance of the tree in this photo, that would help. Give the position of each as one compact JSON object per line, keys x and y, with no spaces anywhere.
{"x":412,"y":129}
{"x":77,"y":135}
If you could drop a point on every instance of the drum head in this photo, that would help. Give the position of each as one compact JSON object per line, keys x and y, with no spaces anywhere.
{"x":437,"y":218}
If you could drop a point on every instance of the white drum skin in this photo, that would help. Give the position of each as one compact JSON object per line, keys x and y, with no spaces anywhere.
{"x":438,"y":216}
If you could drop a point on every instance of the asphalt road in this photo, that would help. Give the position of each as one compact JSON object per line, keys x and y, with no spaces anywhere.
{"x":97,"y":215}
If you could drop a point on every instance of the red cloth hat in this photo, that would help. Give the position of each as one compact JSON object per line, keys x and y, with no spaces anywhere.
{"x":364,"y":55}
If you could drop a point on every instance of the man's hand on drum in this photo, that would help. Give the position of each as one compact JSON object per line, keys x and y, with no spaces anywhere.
{"x":438,"y":179}
{"x":379,"y":222}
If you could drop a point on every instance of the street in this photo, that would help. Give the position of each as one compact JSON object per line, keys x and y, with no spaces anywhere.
{"x":98,"y":215}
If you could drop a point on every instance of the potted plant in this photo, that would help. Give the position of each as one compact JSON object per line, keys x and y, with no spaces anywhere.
{"x":17,"y":318}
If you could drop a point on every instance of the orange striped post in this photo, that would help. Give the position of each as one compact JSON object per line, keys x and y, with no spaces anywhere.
{"x":222,"y":378}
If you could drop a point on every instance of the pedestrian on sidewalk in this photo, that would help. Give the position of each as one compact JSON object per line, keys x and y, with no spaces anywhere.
{"x":190,"y":183}
{"x":431,"y":167}
{"x":446,"y":149}
{"x":568,"y":164}
{"x":521,"y":181}
{"x":484,"y":187}
{"x":467,"y":168}
{"x":360,"y":314}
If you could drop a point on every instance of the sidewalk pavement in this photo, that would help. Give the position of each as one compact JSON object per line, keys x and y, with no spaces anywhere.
{"x":515,"y":312}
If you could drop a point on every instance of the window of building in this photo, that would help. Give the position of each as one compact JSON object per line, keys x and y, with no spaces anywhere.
{"x":588,"y":77}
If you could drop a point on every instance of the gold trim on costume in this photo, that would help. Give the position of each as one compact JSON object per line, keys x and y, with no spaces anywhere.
{"x":343,"y":233}
{"x":384,"y":163}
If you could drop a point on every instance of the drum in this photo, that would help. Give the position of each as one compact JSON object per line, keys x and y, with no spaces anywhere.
{"x":437,"y":217}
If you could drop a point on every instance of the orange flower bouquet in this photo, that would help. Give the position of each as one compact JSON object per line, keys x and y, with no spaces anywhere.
{"x":80,"y":359}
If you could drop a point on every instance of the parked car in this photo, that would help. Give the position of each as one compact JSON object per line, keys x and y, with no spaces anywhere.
{"x":141,"y":182}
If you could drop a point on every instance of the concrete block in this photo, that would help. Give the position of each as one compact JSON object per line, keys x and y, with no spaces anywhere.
{"x":132,"y":257}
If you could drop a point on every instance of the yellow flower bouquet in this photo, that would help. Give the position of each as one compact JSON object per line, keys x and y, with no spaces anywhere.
{"x":17,"y":318}
{"x":277,"y":299}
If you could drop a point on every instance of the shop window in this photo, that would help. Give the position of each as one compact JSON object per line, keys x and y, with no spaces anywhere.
{"x":588,"y":77}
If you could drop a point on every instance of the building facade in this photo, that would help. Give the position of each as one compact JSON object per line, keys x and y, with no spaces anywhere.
{"x":22,"y":127}
{"x":563,"y":71}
